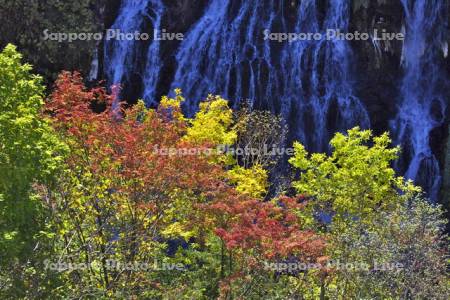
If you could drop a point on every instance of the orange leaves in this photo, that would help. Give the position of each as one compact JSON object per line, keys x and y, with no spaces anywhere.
{"x":70,"y":101}
{"x":125,"y":148}
{"x":273,"y":230}
{"x":137,"y":167}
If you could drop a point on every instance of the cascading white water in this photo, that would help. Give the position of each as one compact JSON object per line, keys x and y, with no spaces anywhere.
{"x":227,"y":57}
{"x":423,"y":106}
{"x":154,"y":62}
{"x":225,"y":53}
{"x":319,"y":77}
{"x":120,"y":55}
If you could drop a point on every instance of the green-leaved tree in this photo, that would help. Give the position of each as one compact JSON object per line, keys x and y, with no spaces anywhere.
{"x":29,"y":154}
{"x":356,"y":180}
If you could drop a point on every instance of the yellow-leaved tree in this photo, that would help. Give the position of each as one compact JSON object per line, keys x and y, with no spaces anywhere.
{"x":355,"y":180}
{"x":214,"y":124}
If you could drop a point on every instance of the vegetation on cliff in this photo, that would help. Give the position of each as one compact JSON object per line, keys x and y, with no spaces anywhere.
{"x":24,"y":23}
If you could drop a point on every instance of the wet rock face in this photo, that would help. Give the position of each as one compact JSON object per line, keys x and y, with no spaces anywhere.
{"x":185,"y":12}
{"x":110,"y":9}
{"x":378,"y":64}
{"x":179,"y":16}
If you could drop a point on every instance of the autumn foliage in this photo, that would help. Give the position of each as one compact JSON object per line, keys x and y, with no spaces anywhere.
{"x":94,"y":190}
{"x":124,"y":143}
{"x":124,"y":194}
{"x":271,"y":229}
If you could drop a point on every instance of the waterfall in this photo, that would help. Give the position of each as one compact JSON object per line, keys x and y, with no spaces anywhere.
{"x":120,"y":55}
{"x":423,"y":105}
{"x":308,"y":82}
{"x":227,"y":56}
{"x":93,"y":73}
{"x":154,"y":62}
{"x":318,"y":77}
